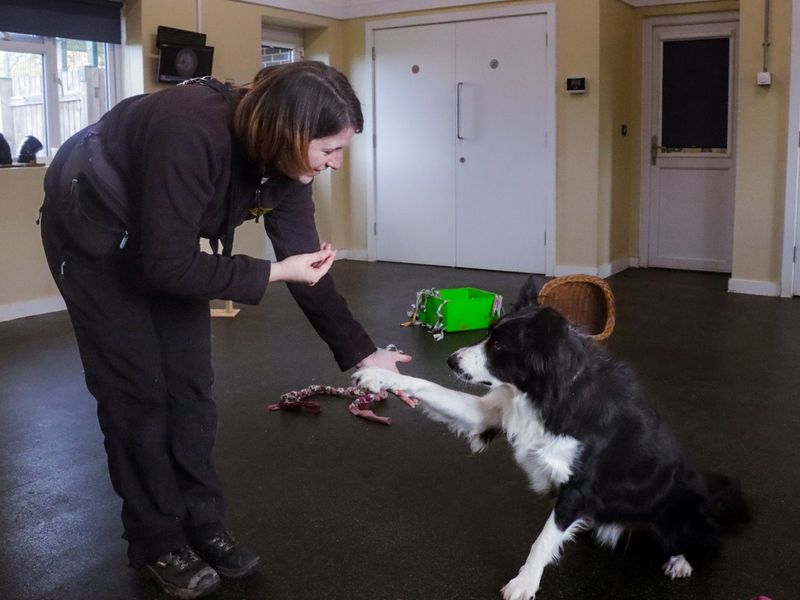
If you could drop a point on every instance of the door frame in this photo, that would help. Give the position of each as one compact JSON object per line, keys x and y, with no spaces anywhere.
{"x":791,"y":219}
{"x":649,"y":106}
{"x":547,"y":9}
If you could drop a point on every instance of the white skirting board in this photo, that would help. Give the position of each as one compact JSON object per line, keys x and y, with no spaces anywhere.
{"x":605,"y":270}
{"x":757,"y":288}
{"x":351,"y":255}
{"x":40,"y":306}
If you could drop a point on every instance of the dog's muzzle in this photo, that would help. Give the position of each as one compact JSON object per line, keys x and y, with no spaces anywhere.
{"x":454,"y":363}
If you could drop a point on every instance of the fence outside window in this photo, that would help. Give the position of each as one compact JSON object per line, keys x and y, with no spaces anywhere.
{"x":79,"y":89}
{"x":277,"y":55}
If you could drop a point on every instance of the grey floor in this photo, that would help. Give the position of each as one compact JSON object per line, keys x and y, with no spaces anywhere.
{"x":344,"y":509}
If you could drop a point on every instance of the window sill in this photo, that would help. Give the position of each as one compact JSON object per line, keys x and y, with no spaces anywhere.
{"x":22,"y":166}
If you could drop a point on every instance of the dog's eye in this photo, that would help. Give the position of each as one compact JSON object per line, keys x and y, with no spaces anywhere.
{"x":497,"y":346}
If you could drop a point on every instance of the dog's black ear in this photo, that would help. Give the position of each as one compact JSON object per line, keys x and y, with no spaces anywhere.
{"x":544,"y":332}
{"x":528,"y":295}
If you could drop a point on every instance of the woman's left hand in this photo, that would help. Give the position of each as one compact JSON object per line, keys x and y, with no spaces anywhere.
{"x":385,"y":359}
{"x":388,"y":359}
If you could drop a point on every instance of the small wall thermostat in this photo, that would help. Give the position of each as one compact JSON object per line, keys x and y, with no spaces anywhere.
{"x":576,"y":85}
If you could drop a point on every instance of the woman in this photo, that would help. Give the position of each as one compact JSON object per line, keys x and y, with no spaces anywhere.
{"x":126,"y":203}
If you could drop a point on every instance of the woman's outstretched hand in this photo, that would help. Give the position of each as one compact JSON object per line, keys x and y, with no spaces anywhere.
{"x":388,"y":359}
{"x":304,"y":268}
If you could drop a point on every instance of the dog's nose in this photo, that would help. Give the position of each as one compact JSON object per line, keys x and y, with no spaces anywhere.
{"x":452,"y":362}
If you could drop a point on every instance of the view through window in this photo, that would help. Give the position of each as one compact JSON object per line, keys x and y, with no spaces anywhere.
{"x":276,"y":55}
{"x":51,"y":88}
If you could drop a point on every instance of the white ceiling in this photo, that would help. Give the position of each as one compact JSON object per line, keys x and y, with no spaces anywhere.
{"x":353,"y":9}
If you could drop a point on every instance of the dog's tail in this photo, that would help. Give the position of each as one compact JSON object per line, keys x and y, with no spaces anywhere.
{"x":711,"y":506}
{"x":726,"y":505}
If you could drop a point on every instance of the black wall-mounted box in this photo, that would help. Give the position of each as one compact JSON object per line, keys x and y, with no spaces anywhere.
{"x":179,"y":63}
{"x":179,"y":37}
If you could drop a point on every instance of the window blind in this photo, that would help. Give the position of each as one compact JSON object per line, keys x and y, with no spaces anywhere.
{"x":93,"y":20}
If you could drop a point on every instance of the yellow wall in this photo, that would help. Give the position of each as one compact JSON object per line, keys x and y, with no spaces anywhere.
{"x":133,"y":49}
{"x":24,"y":276}
{"x":616,"y":107}
{"x":577,"y":133}
{"x":359,"y":69}
{"x":597,"y":169}
{"x":761,"y":134}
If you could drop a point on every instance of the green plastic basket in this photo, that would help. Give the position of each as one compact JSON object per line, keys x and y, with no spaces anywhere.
{"x":457,"y":309}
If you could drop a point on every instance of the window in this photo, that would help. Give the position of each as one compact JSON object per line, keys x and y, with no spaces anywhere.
{"x":280,"y":45}
{"x":695,"y":94}
{"x":276,"y":55}
{"x":51,"y":88}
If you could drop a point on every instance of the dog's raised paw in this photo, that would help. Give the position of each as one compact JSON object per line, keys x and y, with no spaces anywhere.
{"x":519,"y":588}
{"x":677,"y":567}
{"x":373,"y":379}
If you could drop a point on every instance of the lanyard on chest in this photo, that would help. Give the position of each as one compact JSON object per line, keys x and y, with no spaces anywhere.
{"x":259,"y":210}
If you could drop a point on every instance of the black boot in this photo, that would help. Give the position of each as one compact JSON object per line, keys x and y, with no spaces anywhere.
{"x":183,"y":574}
{"x":227,"y":555}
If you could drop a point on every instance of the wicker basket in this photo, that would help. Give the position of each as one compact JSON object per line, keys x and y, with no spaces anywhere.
{"x":585,"y":301}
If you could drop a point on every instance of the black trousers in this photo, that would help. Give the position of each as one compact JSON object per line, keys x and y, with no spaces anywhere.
{"x":147,"y":361}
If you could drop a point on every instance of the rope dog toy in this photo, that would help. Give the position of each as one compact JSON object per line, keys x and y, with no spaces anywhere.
{"x":360,"y":406}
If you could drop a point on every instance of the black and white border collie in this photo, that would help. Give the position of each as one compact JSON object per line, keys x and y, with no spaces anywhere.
{"x":581,"y":431}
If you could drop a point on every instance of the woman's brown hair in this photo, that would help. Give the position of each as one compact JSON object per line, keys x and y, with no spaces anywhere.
{"x":290,"y":105}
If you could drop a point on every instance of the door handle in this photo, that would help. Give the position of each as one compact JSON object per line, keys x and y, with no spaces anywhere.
{"x":654,"y":149}
{"x":458,"y":109}
{"x":465,"y":110}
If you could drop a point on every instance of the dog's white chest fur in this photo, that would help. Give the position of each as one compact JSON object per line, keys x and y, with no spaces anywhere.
{"x":547,"y":459}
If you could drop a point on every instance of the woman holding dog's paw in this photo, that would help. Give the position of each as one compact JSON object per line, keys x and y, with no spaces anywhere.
{"x":127,"y":202}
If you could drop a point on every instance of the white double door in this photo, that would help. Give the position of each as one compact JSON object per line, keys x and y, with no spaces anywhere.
{"x":463,"y":174}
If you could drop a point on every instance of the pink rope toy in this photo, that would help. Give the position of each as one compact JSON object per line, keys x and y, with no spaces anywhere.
{"x":360,"y":407}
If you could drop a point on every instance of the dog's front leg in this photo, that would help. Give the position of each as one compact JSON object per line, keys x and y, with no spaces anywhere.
{"x":465,"y":413}
{"x":545,"y":550}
